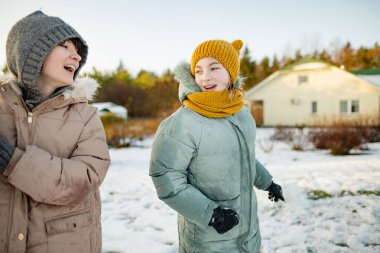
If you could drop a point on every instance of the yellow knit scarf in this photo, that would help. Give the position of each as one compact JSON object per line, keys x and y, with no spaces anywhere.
{"x":217,"y":104}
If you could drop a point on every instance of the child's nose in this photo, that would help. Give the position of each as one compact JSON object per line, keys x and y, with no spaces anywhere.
{"x":76,"y":56}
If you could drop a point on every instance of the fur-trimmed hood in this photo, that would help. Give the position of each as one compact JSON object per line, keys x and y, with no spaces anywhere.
{"x":187,"y":84}
{"x":83,"y":88}
{"x":186,"y":81}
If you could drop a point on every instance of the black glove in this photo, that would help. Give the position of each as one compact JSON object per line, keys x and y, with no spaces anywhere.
{"x":6,"y":153}
{"x":223,"y":219}
{"x":275,"y":192}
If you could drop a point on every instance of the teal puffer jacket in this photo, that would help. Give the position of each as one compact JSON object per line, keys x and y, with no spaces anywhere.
{"x":199,"y":163}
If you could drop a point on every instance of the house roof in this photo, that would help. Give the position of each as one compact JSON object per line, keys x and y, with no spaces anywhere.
{"x":374,"y":79}
{"x":369,"y":72}
{"x":371,"y":75}
{"x":305,"y":64}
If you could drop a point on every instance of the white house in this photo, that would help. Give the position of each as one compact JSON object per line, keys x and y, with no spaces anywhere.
{"x":109,"y":107}
{"x":312,"y":92}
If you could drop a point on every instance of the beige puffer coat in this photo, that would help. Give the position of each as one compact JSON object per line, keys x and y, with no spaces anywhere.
{"x":49,"y":193}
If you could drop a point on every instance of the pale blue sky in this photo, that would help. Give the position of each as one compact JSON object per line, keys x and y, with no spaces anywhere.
{"x":156,"y":35}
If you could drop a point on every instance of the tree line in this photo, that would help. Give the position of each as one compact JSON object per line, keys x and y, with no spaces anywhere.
{"x":146,"y":95}
{"x":151,"y":95}
{"x":345,"y":57}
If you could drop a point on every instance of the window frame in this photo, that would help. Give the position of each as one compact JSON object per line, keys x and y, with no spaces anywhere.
{"x":351,"y":107}
{"x":302,"y":79}
{"x":314,"y":112}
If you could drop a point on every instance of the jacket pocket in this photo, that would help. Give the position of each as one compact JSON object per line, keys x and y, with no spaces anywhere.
{"x":70,"y":233}
{"x":68,"y":223}
{"x":209,"y":234}
{"x":198,"y":236}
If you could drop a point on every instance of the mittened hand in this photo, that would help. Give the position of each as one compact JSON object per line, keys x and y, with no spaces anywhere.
{"x":275,"y":192}
{"x":223,"y":219}
{"x":6,"y":153}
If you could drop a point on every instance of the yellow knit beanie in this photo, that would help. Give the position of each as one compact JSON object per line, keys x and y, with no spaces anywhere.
{"x":225,"y":52}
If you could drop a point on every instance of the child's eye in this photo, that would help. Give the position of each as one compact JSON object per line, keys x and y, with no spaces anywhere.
{"x":198,"y":72}
{"x":214,"y":68}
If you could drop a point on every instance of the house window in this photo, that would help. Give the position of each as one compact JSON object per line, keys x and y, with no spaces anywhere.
{"x":302,"y":79}
{"x":343,"y":106}
{"x":355,"y":106}
{"x":314,"y":107}
{"x":349,"y":106}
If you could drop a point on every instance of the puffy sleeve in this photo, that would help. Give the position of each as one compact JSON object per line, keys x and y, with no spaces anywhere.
{"x":170,"y":159}
{"x":63,"y":181}
{"x":263,"y":178}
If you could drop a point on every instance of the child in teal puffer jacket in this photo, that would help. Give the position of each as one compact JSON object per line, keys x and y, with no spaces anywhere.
{"x":203,"y":162}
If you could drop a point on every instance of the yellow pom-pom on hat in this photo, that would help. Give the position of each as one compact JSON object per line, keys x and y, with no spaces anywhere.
{"x":225,"y":52}
{"x":237,"y":44}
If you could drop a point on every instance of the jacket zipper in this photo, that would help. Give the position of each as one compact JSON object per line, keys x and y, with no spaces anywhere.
{"x":237,"y":131}
{"x":30,"y":121}
{"x":10,"y":220}
{"x":30,"y":126}
{"x":30,"y":117}
{"x":13,"y":193}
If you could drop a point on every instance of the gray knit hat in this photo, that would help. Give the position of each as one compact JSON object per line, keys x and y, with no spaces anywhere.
{"x":30,"y":40}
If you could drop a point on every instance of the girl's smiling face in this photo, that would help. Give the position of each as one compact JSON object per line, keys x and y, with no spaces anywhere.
{"x":211,"y":75}
{"x":59,"y":67}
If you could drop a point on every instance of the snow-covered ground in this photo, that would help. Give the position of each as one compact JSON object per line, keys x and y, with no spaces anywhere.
{"x":134,"y":220}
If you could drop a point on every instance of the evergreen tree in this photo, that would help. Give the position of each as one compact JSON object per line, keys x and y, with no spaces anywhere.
{"x":145,"y":79}
{"x":248,"y":69}
{"x":347,"y":57}
{"x":263,"y":69}
{"x":121,"y":74}
{"x":374,"y":56}
{"x":315,"y":54}
{"x":100,"y":77}
{"x":275,"y":64}
{"x":324,"y":56}
{"x":298,"y":55}
{"x":167,"y":76}
{"x":361,"y":58}
{"x":286,"y":61}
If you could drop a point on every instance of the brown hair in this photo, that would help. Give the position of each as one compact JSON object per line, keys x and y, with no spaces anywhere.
{"x":77,"y":43}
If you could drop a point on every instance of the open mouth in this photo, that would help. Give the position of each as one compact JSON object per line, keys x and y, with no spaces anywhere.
{"x":210,"y":88}
{"x":70,"y":68}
